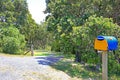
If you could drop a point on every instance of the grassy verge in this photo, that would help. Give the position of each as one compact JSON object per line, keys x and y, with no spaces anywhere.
{"x":85,"y":72}
{"x":76,"y":70}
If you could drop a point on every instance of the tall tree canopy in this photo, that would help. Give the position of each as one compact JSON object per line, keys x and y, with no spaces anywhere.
{"x":80,"y":8}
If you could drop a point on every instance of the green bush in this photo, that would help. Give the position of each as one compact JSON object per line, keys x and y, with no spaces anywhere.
{"x":12,"y":41}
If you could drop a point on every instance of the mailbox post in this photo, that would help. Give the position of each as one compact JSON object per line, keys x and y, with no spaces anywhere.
{"x":104,"y":44}
{"x":104,"y":65}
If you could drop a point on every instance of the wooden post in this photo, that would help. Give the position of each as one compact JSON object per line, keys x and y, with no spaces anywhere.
{"x":104,"y":65}
{"x":32,"y":52}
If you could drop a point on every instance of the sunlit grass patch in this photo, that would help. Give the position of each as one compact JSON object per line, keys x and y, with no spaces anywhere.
{"x":38,"y":53}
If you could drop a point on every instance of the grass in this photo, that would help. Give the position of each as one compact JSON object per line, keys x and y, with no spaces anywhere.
{"x":36,"y":53}
{"x":39,"y":53}
{"x":76,"y":70}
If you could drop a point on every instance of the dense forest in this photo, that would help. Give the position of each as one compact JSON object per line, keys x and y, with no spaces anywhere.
{"x":70,"y":27}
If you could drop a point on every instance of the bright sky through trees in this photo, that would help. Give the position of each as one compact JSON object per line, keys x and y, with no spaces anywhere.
{"x":36,"y":8}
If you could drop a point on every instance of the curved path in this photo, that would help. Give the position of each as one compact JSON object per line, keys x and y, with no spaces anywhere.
{"x":30,"y":68}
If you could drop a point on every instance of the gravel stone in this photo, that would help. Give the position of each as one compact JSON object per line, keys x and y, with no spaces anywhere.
{"x":30,"y":68}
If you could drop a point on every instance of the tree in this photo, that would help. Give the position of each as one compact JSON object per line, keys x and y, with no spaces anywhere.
{"x":80,"y":38}
{"x":64,"y":15}
{"x":15,"y":13}
{"x":6,"y":13}
{"x":21,"y":13}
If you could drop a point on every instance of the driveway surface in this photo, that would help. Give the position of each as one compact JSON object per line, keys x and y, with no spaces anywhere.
{"x":30,"y":68}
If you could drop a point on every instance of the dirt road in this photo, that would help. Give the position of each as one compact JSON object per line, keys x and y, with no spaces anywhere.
{"x":30,"y":68}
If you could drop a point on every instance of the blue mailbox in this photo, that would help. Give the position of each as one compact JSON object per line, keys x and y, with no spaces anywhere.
{"x":106,"y":43}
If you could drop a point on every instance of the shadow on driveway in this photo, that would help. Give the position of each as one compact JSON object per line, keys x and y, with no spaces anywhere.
{"x":48,"y":60}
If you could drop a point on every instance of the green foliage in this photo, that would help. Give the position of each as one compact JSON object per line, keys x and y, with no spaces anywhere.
{"x":6,"y":13}
{"x":113,"y":68}
{"x":11,"y":45}
{"x":41,"y":38}
{"x":64,"y":15}
{"x":21,"y":13}
{"x":15,"y":13}
{"x":101,"y":26}
{"x":66,"y":44}
{"x":12,"y":40}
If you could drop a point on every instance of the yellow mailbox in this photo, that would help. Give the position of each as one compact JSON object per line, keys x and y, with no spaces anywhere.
{"x":105,"y":43}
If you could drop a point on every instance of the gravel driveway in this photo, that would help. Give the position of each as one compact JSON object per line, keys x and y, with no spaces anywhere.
{"x":30,"y":68}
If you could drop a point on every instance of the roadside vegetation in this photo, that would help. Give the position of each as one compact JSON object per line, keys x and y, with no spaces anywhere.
{"x":69,"y":30}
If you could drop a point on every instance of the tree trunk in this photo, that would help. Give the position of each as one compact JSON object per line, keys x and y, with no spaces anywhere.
{"x":78,"y":56}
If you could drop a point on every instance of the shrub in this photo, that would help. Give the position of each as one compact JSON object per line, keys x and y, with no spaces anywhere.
{"x":12,"y":41}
